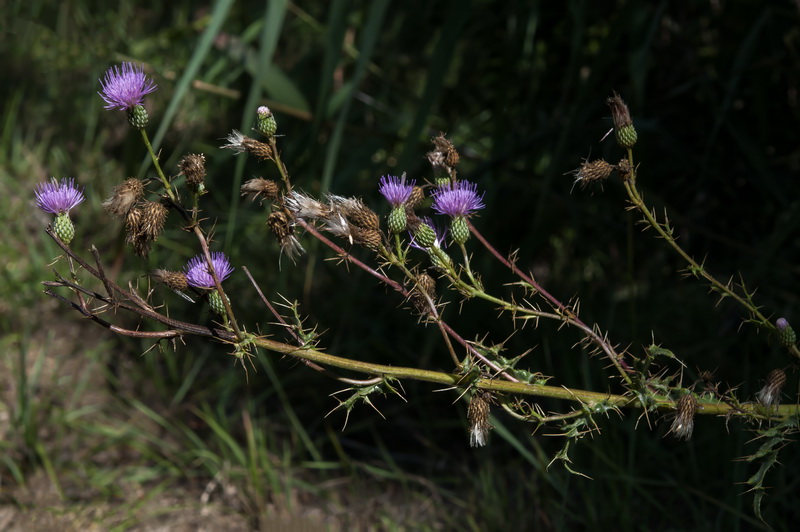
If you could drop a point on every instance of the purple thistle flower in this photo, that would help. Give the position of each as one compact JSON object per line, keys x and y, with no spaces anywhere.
{"x":457,"y":200}
{"x":57,"y":198}
{"x":197,"y":273}
{"x":395,"y":189}
{"x":126,"y":87}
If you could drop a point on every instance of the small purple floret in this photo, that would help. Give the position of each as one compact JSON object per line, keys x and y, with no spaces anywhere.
{"x":197,"y":273}
{"x":58,"y":197}
{"x":125,"y":87}
{"x":781,"y":323}
{"x":395,"y":189}
{"x":457,"y":199}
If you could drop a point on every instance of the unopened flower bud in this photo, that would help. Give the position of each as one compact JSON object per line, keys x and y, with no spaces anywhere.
{"x":623,"y":126}
{"x":786,"y":334}
{"x":425,"y":235}
{"x":216,"y":303}
{"x":265,"y":122}
{"x":397,"y":219}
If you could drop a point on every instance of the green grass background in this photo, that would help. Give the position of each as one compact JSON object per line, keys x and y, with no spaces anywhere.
{"x":93,"y":429}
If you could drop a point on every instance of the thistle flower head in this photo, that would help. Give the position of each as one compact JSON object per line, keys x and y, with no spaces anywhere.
{"x":395,"y":189}
{"x":58,"y":197}
{"x":197,"y":273}
{"x":457,"y":200}
{"x":125,"y":87}
{"x":427,"y":234}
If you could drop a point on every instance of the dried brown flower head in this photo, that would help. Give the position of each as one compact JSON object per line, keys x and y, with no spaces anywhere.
{"x":591,"y":171}
{"x":124,"y":197}
{"x":770,"y":394}
{"x":362,"y":216}
{"x":478,"y":418}
{"x":193,"y":166}
{"x":444,"y":157}
{"x":683,"y":424}
{"x":239,"y":142}
{"x":172,"y":280}
{"x":425,"y":288}
{"x":369,"y":238}
{"x":417,"y":196}
{"x":260,"y":186}
{"x":280,"y":223}
{"x":154,"y":214}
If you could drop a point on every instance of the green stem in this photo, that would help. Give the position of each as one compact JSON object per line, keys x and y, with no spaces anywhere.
{"x":157,"y":166}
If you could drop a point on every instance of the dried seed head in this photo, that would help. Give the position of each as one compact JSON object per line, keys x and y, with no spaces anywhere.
{"x":133,"y":220}
{"x":770,"y":394}
{"x":362,"y":216}
{"x":683,"y":424}
{"x":306,"y":207}
{"x":478,"y":418}
{"x":624,"y":169}
{"x":369,"y":238}
{"x":260,"y":186}
{"x":444,"y":156}
{"x":154,"y":214}
{"x":280,"y":223}
{"x":173,"y":280}
{"x":239,"y":142}
{"x":193,"y":166}
{"x":124,"y":197}
{"x":589,"y":172}
{"x":425,"y":288}
{"x":417,"y":197}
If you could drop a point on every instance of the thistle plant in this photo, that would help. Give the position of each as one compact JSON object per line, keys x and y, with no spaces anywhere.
{"x":419,"y":254}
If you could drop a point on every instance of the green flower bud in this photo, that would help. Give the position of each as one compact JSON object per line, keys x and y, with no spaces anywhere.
{"x":216,"y":303}
{"x":786,"y":334}
{"x":137,"y":117}
{"x":63,"y":228}
{"x":459,"y":230}
{"x":425,"y":235}
{"x":265,"y":122}
{"x":397,"y":219}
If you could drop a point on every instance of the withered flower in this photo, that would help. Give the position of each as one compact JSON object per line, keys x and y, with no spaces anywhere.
{"x":124,"y":197}
{"x":478,"y":418}
{"x":683,"y":424}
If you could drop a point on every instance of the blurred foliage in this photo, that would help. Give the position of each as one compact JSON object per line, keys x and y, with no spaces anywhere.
{"x":358,"y":89}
